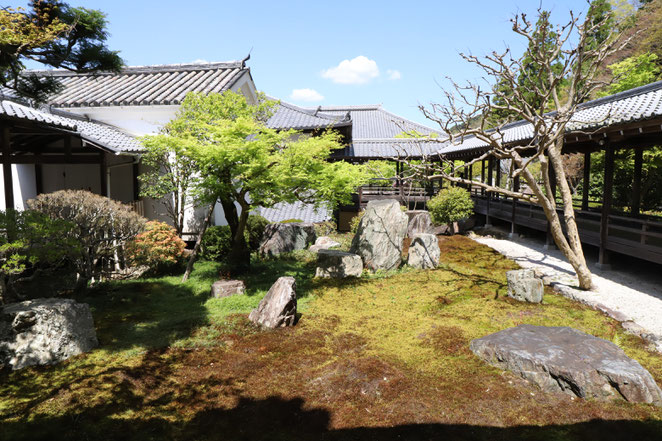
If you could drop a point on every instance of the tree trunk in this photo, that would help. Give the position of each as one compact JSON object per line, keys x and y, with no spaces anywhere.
{"x":240,"y":256}
{"x":198,"y":241}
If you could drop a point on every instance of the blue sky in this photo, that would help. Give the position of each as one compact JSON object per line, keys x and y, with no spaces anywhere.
{"x":405,"y":49}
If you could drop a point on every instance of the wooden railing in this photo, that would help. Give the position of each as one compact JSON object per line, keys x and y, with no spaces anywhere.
{"x":138,"y":207}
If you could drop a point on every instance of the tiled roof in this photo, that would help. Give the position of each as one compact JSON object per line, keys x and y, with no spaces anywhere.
{"x":391,"y":147}
{"x":297,"y":210}
{"x":143,"y":85}
{"x":95,"y":132}
{"x":633,"y":105}
{"x":373,"y":122}
{"x":289,"y":116}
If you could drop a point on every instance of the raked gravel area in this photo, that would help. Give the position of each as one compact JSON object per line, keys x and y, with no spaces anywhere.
{"x":634,"y":299}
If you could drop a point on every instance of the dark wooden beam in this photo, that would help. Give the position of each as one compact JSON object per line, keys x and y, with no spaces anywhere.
{"x":636,"y":181}
{"x":513,"y":215}
{"x":103,"y":170}
{"x":38,"y":177}
{"x":482,"y":175}
{"x":136,"y":184}
{"x":607,"y":195}
{"x":54,"y":159}
{"x":6,"y":168}
{"x":586,"y":183}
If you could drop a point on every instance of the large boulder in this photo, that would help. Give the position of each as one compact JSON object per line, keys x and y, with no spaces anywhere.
{"x":44,"y":331}
{"x":338,"y":264}
{"x":227,"y":288}
{"x":282,"y":238}
{"x":565,"y":359}
{"x":323,"y":243}
{"x":279,"y":307}
{"x":380,"y":234}
{"x":424,"y":251}
{"x":523,"y":285}
{"x":419,"y":222}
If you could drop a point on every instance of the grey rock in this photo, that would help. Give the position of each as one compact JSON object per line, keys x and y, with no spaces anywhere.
{"x":523,"y":285}
{"x":379,"y":237}
{"x":323,"y":243}
{"x":424,"y":251}
{"x":227,"y":288}
{"x":466,"y":224}
{"x":338,"y":264}
{"x":282,"y":238}
{"x":44,"y":331}
{"x":565,"y":359}
{"x":278,"y":308}
{"x":419,"y":222}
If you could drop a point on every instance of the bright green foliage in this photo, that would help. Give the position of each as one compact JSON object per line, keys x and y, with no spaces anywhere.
{"x":57,"y":35}
{"x":356,"y":220}
{"x":291,"y":221}
{"x":255,"y":226}
{"x":634,"y":72}
{"x":31,"y":240}
{"x":241,"y":161}
{"x":216,"y":243}
{"x":170,"y":172}
{"x":450,"y":205}
{"x":158,"y":247}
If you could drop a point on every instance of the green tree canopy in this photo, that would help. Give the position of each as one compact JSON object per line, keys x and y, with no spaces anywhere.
{"x":55,"y":34}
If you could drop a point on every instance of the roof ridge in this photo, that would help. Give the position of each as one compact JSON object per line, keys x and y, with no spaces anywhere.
{"x":308,"y":111}
{"x":354,"y":107}
{"x":408,"y":120}
{"x":650,"y":87}
{"x":146,"y":69}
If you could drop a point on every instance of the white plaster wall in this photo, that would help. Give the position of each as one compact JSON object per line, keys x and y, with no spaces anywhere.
{"x":24,"y":183}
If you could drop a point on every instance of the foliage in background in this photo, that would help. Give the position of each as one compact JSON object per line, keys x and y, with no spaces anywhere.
{"x":100,"y":226}
{"x":158,"y":247}
{"x":356,"y":220}
{"x":31,"y":242}
{"x":57,"y":35}
{"x":217,"y":240}
{"x":633,"y":72}
{"x":255,"y":226}
{"x":451,"y":205}
{"x":168,"y":176}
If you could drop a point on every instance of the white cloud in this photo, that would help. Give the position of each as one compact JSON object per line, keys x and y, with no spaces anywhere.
{"x":309,"y":95}
{"x":200,"y":61}
{"x":393,"y":74}
{"x":359,"y":70}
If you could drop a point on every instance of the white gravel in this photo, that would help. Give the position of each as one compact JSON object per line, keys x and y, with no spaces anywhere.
{"x":635,"y":299}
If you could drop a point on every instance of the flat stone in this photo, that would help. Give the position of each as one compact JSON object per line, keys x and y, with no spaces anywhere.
{"x":523,"y":285}
{"x":44,"y":331}
{"x":379,"y":237}
{"x":278,"y":308}
{"x":419,"y":222}
{"x":568,"y":360}
{"x":323,"y":243}
{"x":424,"y":251}
{"x":227,"y":288}
{"x":283,"y":238}
{"x":338,"y":264}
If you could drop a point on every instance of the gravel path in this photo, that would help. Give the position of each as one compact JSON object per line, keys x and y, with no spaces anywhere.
{"x":635,"y":300}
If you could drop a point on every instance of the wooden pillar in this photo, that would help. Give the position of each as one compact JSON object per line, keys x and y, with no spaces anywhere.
{"x":513,"y":225}
{"x":103,"y":169}
{"x":38,"y":174}
{"x":482,"y":176}
{"x":135,"y":170}
{"x":490,"y":168}
{"x":6,"y":168}
{"x":587,"y":180}
{"x":607,"y":195}
{"x":497,"y":170}
{"x":636,"y":181}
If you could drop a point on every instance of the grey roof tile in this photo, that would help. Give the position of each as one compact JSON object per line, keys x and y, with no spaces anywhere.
{"x":289,"y":116}
{"x":297,"y":210}
{"x":143,"y":85}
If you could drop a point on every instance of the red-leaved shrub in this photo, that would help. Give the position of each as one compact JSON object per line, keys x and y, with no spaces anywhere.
{"x":158,"y":247}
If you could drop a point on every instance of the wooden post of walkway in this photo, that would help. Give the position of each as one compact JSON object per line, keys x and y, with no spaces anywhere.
{"x":636,"y":182}
{"x":482,"y":176}
{"x":103,"y":170}
{"x":607,"y":195}
{"x":497,"y":170}
{"x":513,"y":225}
{"x":490,"y":167}
{"x":586,"y":183}
{"x":6,"y":169}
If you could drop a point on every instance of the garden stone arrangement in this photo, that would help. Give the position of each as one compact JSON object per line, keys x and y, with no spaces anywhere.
{"x":419,"y":222}
{"x":44,"y":331}
{"x":523,"y":285}
{"x":227,"y":288}
{"x":338,"y":264}
{"x":424,"y":251}
{"x":565,"y":359}
{"x":279,"y":307}
{"x":282,"y":238}
{"x":379,"y":237}
{"x":323,"y":243}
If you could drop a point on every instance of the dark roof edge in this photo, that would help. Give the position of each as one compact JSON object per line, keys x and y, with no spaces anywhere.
{"x":147,"y":69}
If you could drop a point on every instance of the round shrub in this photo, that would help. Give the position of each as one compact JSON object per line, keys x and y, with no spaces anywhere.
{"x":255,"y":226}
{"x":450,"y":205}
{"x":158,"y":247}
{"x":216,"y":243}
{"x":356,"y":220}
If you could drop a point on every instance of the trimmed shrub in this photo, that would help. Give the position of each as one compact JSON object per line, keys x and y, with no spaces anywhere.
{"x":356,"y":220}
{"x":291,"y":221}
{"x":216,"y":243}
{"x":158,"y":247}
{"x":325,"y":228}
{"x":451,"y":205}
{"x":255,"y":226}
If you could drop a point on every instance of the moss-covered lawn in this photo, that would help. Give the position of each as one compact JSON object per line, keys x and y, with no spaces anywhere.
{"x":382,"y":357}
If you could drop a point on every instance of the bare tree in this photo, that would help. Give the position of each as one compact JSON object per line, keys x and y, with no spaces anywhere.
{"x":543,"y":88}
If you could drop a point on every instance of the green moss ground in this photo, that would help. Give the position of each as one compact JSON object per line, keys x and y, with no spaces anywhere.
{"x":381,"y":357}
